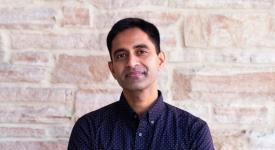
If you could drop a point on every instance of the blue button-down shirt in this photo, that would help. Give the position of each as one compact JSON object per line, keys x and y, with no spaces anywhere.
{"x":118,"y":127}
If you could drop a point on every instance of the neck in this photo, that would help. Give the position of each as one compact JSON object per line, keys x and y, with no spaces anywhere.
{"x":140,"y":101}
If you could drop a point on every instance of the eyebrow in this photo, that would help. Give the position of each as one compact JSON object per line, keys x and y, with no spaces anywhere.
{"x":135,"y":47}
{"x":140,"y":46}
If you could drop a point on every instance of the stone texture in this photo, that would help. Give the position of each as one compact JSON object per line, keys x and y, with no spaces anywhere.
{"x":57,"y":41}
{"x":1,"y":49}
{"x":228,"y":30}
{"x":227,"y":139}
{"x":81,"y":69}
{"x":168,"y":39}
{"x":160,"y":19}
{"x":262,"y":82}
{"x":106,"y":4}
{"x":32,"y":145}
{"x":264,"y":4}
{"x":195,"y":107}
{"x":186,"y":85}
{"x":31,"y":58}
{"x":261,"y":140}
{"x":181,"y":86}
{"x":241,"y":114}
{"x":7,"y":2}
{"x":60,"y":130}
{"x":41,"y":95}
{"x":75,"y":16}
{"x":36,"y":131}
{"x":17,"y":73}
{"x":88,"y":100}
{"x":34,"y":113}
{"x":22,"y":132}
{"x":27,"y":18}
{"x":1,"y":56}
{"x":53,"y":66}
{"x":228,"y":56}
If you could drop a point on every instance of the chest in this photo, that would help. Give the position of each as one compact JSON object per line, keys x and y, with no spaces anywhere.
{"x":144,"y":134}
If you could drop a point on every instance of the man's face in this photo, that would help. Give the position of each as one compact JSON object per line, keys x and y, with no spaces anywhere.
{"x":135,"y":63}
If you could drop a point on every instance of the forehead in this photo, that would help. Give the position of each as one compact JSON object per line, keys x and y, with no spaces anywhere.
{"x":129,"y":38}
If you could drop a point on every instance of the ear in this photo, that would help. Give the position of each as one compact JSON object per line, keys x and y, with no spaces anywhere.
{"x":162,"y":59}
{"x":110,"y":64}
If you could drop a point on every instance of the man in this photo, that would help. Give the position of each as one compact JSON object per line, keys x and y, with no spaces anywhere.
{"x":140,"y":119}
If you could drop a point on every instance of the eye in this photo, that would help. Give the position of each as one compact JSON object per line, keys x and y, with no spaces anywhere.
{"x":120,"y":55}
{"x":141,"y":52}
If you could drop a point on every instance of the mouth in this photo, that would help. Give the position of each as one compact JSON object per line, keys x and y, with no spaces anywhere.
{"x":135,"y":74}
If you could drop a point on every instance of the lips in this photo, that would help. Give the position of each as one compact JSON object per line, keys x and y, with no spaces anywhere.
{"x":136,"y":72}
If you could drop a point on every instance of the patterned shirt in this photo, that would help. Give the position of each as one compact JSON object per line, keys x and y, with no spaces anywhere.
{"x":118,"y":127}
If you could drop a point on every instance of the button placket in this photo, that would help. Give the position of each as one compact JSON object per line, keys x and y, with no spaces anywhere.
{"x":141,"y":134}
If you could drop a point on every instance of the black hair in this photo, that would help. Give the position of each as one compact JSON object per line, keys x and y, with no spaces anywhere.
{"x":126,"y":23}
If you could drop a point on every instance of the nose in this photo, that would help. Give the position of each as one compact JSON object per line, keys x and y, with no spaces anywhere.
{"x":132,"y":60}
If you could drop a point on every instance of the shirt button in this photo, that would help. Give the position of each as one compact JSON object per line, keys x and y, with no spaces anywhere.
{"x":140,"y":134}
{"x":152,"y":122}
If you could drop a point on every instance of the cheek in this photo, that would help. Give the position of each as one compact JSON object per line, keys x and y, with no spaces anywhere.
{"x":154,"y":63}
{"x":117,"y":70}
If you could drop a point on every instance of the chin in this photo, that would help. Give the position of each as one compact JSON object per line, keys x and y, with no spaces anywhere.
{"x":133,"y":87}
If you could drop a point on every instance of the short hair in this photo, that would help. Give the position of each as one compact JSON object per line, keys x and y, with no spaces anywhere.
{"x":127,"y":23}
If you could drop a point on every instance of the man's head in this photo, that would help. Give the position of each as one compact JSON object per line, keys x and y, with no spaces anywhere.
{"x":127,"y":23}
{"x":135,"y":54}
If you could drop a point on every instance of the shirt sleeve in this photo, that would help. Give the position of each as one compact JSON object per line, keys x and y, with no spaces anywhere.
{"x":202,"y":139}
{"x":80,"y":138}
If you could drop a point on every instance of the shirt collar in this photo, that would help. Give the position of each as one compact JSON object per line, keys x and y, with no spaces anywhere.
{"x":153,"y":112}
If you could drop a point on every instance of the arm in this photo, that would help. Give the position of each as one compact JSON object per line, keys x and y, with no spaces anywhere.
{"x":201,"y":137}
{"x":80,"y":138}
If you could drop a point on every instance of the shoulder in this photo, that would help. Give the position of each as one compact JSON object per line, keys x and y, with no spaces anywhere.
{"x":84,"y":131}
{"x":191,"y":126}
{"x":184,"y":118}
{"x":97,"y":116}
